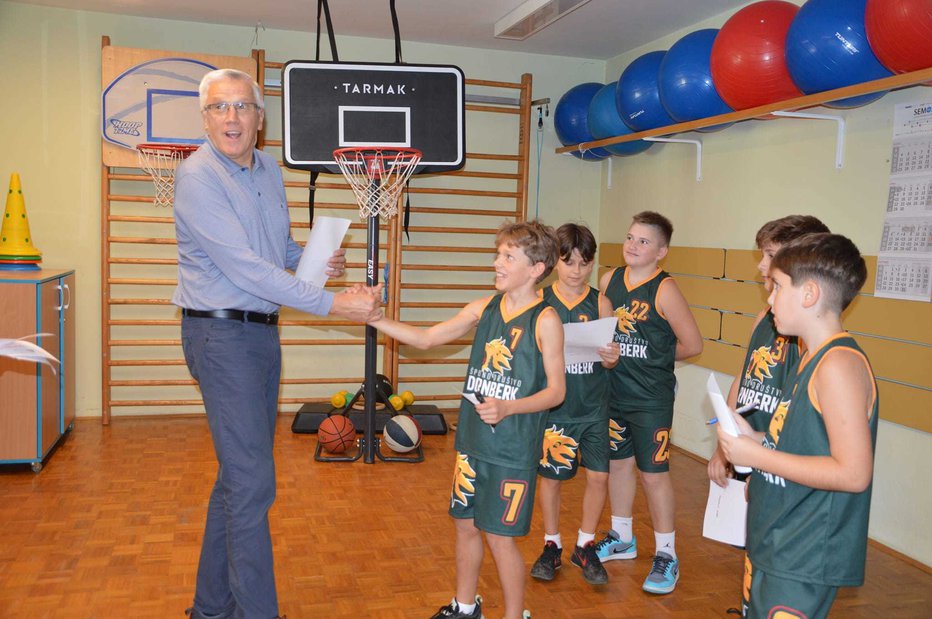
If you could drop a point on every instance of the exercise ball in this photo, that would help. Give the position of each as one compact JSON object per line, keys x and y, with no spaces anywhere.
{"x":638,"y":94}
{"x":604,"y":122}
{"x":748,"y":65}
{"x":900,"y":33}
{"x":686,"y":88}
{"x":826,"y":48}
{"x":571,"y":120}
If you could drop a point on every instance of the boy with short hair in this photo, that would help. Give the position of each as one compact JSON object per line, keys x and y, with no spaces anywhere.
{"x":772,"y":358}
{"x":577,"y":430}
{"x":809,"y":498}
{"x":655,"y":328}
{"x":516,"y":369}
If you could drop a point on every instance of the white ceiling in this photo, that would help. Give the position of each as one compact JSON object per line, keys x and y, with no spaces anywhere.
{"x":600,"y":29}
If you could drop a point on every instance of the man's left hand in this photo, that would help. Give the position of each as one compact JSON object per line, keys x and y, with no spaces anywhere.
{"x":336,"y":266}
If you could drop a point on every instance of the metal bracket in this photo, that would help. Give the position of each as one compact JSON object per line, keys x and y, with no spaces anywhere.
{"x":681,"y":141}
{"x":839,"y":139}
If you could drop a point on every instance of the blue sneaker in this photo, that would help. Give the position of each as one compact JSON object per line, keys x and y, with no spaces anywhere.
{"x":663,"y":575}
{"x":611,"y":547}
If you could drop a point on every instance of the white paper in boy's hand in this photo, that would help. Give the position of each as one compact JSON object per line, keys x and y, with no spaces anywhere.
{"x":471,"y":397}
{"x":724,"y":414}
{"x":27,"y":351}
{"x":582,"y":340}
{"x":326,"y":237}
{"x":726,"y":513}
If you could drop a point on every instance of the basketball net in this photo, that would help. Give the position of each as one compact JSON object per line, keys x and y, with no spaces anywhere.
{"x":377,"y":176}
{"x":160,"y":161}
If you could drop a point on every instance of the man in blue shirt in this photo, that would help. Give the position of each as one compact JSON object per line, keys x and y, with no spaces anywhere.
{"x":234,"y":246}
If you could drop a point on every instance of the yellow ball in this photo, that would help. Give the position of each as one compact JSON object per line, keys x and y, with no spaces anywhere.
{"x":396,"y":402}
{"x":338,"y":400}
{"x":407,"y":397}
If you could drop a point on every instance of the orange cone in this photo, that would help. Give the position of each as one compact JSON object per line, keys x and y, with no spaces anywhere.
{"x":15,"y":241}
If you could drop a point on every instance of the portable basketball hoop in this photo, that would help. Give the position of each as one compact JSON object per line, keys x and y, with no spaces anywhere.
{"x":377,"y":176}
{"x":160,"y":161}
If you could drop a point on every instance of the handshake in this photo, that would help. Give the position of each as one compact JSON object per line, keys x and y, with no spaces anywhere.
{"x":358,"y":303}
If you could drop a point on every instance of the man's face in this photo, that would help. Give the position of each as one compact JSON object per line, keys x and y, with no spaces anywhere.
{"x":574,"y":271}
{"x":233,"y":132}
{"x":643,"y":246}
{"x":768,"y":251}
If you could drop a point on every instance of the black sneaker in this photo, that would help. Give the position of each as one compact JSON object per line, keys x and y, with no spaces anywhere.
{"x":547,"y":564}
{"x":452,"y":611}
{"x":587,"y":558}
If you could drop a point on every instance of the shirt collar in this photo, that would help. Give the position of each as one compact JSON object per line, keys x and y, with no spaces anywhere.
{"x":228,"y":164}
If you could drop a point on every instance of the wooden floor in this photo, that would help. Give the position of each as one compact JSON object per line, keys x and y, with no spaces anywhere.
{"x":111,"y":528}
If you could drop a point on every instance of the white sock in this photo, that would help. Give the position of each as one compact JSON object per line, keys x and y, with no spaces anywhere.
{"x":666,"y":542}
{"x":623,"y":527}
{"x":466,"y":609}
{"x":555,"y":539}
{"x":584,"y":538}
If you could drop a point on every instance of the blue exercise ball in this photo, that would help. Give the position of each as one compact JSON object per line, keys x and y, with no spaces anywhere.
{"x":686,"y":88}
{"x":571,"y":120}
{"x":638,"y":94}
{"x":604,"y":122}
{"x":827,"y":47}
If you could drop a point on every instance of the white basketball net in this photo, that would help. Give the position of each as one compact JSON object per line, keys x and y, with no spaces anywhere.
{"x":377,"y":176}
{"x":160,"y":162}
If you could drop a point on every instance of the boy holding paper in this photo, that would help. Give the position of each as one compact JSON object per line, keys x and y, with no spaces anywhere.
{"x":809,"y":495}
{"x":577,"y":430}
{"x":516,"y":365}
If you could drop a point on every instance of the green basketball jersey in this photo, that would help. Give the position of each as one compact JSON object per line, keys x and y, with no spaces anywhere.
{"x":795,"y":531}
{"x":586,"y":383}
{"x":643,"y":379}
{"x":770,"y":363}
{"x":505,"y":364}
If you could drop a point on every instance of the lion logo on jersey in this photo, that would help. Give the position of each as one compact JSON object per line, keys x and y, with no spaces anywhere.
{"x":777,"y":420}
{"x":559,"y":450}
{"x":782,"y":612}
{"x":761,"y":362}
{"x":497,"y":355}
{"x":748,"y":571}
{"x":614,"y":434}
{"x":626,"y":320}
{"x":464,"y":477}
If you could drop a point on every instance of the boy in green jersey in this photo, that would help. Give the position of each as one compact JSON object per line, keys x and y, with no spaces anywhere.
{"x":772,"y":358}
{"x":655,"y":329}
{"x":577,"y":431}
{"x":809,"y":494}
{"x":516,"y":373}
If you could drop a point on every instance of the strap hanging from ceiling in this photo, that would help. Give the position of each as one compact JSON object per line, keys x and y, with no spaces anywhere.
{"x":322,"y":8}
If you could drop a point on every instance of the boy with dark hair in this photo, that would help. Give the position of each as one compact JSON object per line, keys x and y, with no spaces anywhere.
{"x":577,"y":432}
{"x":655,"y":328}
{"x":516,"y":370}
{"x":771,"y":359}
{"x":809,"y":498}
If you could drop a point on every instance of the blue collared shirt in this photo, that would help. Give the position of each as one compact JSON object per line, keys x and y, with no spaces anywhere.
{"x":234,"y":238}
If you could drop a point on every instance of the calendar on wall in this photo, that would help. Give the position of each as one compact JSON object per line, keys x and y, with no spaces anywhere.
{"x":904,"y":262}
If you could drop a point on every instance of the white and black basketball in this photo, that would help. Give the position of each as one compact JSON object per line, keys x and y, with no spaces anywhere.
{"x":402,"y":433}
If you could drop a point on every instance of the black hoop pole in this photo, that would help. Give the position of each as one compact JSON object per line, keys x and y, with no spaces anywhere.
{"x":372,"y":273}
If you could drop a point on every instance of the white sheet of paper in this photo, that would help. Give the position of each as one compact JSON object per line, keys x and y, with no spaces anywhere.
{"x":724,"y":414}
{"x":471,"y":397}
{"x":582,"y":340}
{"x":326,"y":237}
{"x":726,"y":513}
{"x":27,"y":351}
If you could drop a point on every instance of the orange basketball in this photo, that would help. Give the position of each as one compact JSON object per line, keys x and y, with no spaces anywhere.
{"x":336,"y":433}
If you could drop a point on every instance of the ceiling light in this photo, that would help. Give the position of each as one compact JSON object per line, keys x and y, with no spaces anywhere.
{"x":533,"y":15}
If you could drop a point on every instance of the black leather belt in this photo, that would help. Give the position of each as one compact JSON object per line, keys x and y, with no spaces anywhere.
{"x":232,"y":314}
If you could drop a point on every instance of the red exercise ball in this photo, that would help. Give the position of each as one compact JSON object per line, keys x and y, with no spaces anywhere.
{"x":748,"y":64}
{"x":900,"y":33}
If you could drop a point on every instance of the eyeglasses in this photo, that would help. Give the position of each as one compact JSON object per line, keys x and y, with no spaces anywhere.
{"x":220,"y":109}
